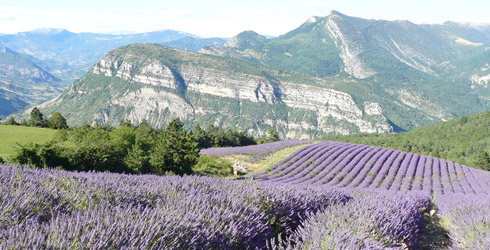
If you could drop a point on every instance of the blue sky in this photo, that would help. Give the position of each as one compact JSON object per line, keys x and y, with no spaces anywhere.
{"x":222,"y":18}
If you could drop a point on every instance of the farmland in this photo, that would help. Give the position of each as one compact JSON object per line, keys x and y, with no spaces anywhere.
{"x":360,"y":166}
{"x":326,"y":195}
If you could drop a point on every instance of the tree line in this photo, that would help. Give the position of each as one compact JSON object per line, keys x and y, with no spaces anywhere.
{"x":130,"y":148}
{"x":37,"y":119}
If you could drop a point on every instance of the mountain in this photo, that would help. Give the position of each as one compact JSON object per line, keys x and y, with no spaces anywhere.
{"x":23,"y":83}
{"x":159,"y":84}
{"x":462,"y":140}
{"x":332,"y":75}
{"x":69,"y":55}
{"x":56,"y":54}
{"x":441,"y":70}
{"x":362,"y":48}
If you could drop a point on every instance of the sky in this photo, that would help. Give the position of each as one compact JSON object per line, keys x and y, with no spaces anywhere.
{"x":221,"y":18}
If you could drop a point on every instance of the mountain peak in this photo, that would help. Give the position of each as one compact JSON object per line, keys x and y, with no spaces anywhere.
{"x":313,"y":19}
{"x":48,"y":31}
{"x":336,"y":13}
{"x":245,"y":40}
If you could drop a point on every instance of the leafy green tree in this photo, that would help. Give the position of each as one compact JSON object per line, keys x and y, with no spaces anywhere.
{"x":175,"y":151}
{"x":57,"y":121}
{"x":125,"y":123}
{"x":100,"y":155}
{"x":272,"y":136}
{"x":26,"y":154}
{"x":37,"y":119}
{"x":123,"y":138}
{"x":138,"y":158}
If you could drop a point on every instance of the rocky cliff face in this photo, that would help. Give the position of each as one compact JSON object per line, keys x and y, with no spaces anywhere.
{"x":159,"y":92}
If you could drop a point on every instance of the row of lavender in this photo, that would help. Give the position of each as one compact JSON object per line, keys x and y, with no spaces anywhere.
{"x":256,"y":152}
{"x":52,"y":209}
{"x":362,"y":166}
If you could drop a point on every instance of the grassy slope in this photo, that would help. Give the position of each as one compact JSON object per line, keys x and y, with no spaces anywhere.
{"x":266,"y":163}
{"x":11,"y":135}
{"x":459,"y":140}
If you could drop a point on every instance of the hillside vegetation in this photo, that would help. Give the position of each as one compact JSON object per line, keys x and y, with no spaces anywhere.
{"x":464,"y":140}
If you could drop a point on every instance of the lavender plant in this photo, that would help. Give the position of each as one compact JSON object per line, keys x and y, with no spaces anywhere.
{"x":468,"y":219}
{"x":372,"y":220}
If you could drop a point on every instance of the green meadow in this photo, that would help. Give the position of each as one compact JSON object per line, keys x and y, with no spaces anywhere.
{"x":11,"y":135}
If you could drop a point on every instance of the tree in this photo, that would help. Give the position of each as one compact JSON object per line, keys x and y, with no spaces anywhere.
{"x":11,"y":121}
{"x":125,"y":123}
{"x":57,"y":121}
{"x":201,"y":137}
{"x":272,"y":135}
{"x":37,"y":119}
{"x":138,"y":158}
{"x":483,"y":161}
{"x":175,"y":151}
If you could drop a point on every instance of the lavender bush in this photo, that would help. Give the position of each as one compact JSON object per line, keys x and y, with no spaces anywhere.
{"x":468,"y":217}
{"x":372,"y":220}
{"x":257,"y":151}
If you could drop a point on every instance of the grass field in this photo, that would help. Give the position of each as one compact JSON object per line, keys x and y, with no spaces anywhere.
{"x":267,"y":163}
{"x":11,"y":135}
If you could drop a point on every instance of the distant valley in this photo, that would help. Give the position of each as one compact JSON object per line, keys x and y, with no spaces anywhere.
{"x":66,"y":56}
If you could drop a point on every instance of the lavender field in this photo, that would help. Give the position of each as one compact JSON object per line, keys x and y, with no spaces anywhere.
{"x":461,"y":194}
{"x":54,"y":209}
{"x":361,"y":166}
{"x":256,"y":152}
{"x":327,"y":195}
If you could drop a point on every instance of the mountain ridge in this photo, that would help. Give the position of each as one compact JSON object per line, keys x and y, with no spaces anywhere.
{"x":381,"y":75}
{"x":23,"y":83}
{"x":159,"y":84}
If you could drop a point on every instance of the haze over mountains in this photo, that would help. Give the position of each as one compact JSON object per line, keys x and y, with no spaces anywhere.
{"x":67,"y":56}
{"x":333,"y":74}
{"x":22,"y":82}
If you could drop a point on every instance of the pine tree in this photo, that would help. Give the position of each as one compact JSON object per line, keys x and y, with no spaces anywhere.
{"x":175,"y":151}
{"x":37,"y":119}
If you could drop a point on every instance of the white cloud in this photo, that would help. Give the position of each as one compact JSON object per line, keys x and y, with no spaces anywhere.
{"x":314,"y":3}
